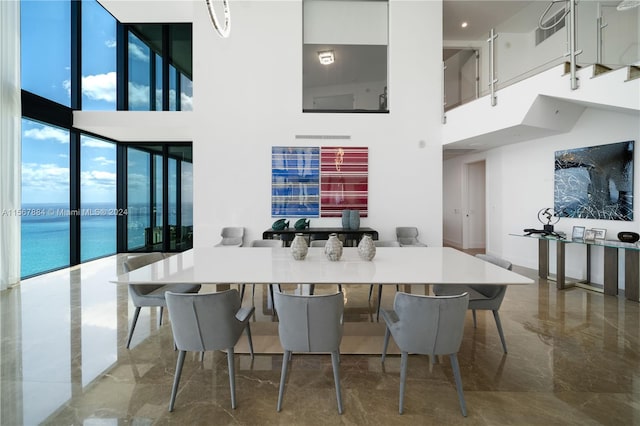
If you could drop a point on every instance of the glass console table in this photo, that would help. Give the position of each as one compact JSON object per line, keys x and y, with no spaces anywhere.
{"x":611,"y":251}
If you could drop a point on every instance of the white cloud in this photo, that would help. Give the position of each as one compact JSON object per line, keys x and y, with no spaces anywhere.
{"x":137,"y":53}
{"x":95,"y":179}
{"x":46,"y":132}
{"x":103,"y":161}
{"x":100,"y":87}
{"x":110,"y":43}
{"x":186,"y":102}
{"x":66,"y":84}
{"x":43,"y":177}
{"x":95,"y":143}
{"x":138,"y":95}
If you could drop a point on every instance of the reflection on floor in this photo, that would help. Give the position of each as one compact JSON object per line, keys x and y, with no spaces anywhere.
{"x":573,"y":359}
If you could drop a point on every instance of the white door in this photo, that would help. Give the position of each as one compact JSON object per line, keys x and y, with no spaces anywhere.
{"x":474,"y":220}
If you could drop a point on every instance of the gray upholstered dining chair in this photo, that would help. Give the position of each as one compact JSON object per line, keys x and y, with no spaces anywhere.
{"x":265,"y":244}
{"x":231,"y":237}
{"x":310,"y":324}
{"x":408,"y":236}
{"x":208,"y":322}
{"x":382,"y":243}
{"x":151,"y":294}
{"x":428,"y":325}
{"x":482,"y":296}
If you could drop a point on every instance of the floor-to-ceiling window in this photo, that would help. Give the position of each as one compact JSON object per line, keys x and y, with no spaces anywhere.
{"x":159,"y":201}
{"x":98,"y":198}
{"x":45,"y":198}
{"x":45,"y":37}
{"x":98,"y":58}
{"x":74,"y":57}
{"x":159,"y":64}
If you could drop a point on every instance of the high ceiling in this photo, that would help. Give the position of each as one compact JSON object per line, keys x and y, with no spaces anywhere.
{"x":481,"y":16}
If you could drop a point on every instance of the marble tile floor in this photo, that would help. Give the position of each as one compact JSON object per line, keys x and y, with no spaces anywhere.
{"x":573,"y":359}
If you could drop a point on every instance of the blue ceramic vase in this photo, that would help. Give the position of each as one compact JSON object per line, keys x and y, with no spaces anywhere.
{"x":354,"y":219}
{"x":346,"y":218}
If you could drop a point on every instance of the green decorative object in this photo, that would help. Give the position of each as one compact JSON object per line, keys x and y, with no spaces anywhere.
{"x":301,"y":224}
{"x":280,"y":224}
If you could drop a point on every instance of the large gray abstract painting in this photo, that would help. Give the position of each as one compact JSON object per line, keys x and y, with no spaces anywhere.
{"x":595,"y":182}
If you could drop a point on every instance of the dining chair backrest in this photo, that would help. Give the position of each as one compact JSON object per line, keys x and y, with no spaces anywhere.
{"x":137,"y":262}
{"x":496,"y":292}
{"x":310,"y":323}
{"x":231,"y":236}
{"x":266,"y":243}
{"x":408,"y":236}
{"x":205,"y":322}
{"x":431,"y":325}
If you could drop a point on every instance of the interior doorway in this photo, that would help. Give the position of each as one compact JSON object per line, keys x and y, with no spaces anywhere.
{"x":474,"y":206}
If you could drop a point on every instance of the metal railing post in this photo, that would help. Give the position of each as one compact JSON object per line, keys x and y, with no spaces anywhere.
{"x":573,"y":52}
{"x":444,"y":95}
{"x":492,"y":67}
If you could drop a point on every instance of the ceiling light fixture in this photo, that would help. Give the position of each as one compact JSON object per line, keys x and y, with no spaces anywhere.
{"x":223,"y":31}
{"x":326,"y":57}
{"x":464,"y":25}
{"x":627,"y":4}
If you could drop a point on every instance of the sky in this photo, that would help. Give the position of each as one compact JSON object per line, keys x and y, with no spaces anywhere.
{"x":46,"y":72}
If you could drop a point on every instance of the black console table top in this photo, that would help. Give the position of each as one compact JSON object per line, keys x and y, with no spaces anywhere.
{"x":323,"y":233}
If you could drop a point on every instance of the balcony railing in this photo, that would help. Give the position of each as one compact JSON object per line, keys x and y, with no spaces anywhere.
{"x":575,"y":33}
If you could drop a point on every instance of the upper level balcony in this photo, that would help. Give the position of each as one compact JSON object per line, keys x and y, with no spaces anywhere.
{"x":535,"y":93}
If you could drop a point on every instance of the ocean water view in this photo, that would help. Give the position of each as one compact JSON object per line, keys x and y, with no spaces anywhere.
{"x":45,"y":231}
{"x":45,"y":235}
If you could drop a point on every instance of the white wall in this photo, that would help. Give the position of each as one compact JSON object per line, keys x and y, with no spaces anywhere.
{"x":519,"y":183}
{"x":248,"y":99}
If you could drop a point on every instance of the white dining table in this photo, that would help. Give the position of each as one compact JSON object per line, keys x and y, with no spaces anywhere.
{"x":391,"y":265}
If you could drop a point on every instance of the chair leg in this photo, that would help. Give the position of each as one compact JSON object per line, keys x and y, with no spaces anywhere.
{"x":458,"y":379}
{"x":370,"y":291}
{"x":273,"y":303}
{"x":475,"y":323}
{"x":283,"y":376}
{"x":176,"y":379}
{"x":136,"y":314}
{"x":379,"y":300}
{"x":242,"y":286}
{"x":403,"y":378}
{"x":160,"y":316}
{"x":496,"y":316}
{"x":340,"y":288}
{"x":249,"y":338}
{"x":335,"y":361}
{"x":387,"y":333}
{"x":232,"y":377}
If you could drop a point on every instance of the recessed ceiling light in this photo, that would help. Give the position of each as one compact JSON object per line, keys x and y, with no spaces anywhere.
{"x":464,"y":25}
{"x":326,"y":57}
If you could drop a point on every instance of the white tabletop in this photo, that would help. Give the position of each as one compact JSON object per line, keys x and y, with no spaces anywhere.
{"x":391,"y":265}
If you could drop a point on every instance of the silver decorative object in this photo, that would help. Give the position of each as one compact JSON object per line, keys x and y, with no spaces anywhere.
{"x":366,"y":248}
{"x":333,"y":248}
{"x":223,"y":31}
{"x":299,"y":248}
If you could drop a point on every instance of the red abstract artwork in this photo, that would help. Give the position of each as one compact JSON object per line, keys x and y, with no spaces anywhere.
{"x":344,"y":175}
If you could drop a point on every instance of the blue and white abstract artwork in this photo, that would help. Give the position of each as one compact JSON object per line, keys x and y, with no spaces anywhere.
{"x":295,"y":181}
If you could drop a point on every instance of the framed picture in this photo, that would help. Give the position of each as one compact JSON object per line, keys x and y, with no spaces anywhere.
{"x":599,"y":233}
{"x":589,"y":235}
{"x":578,"y":233}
